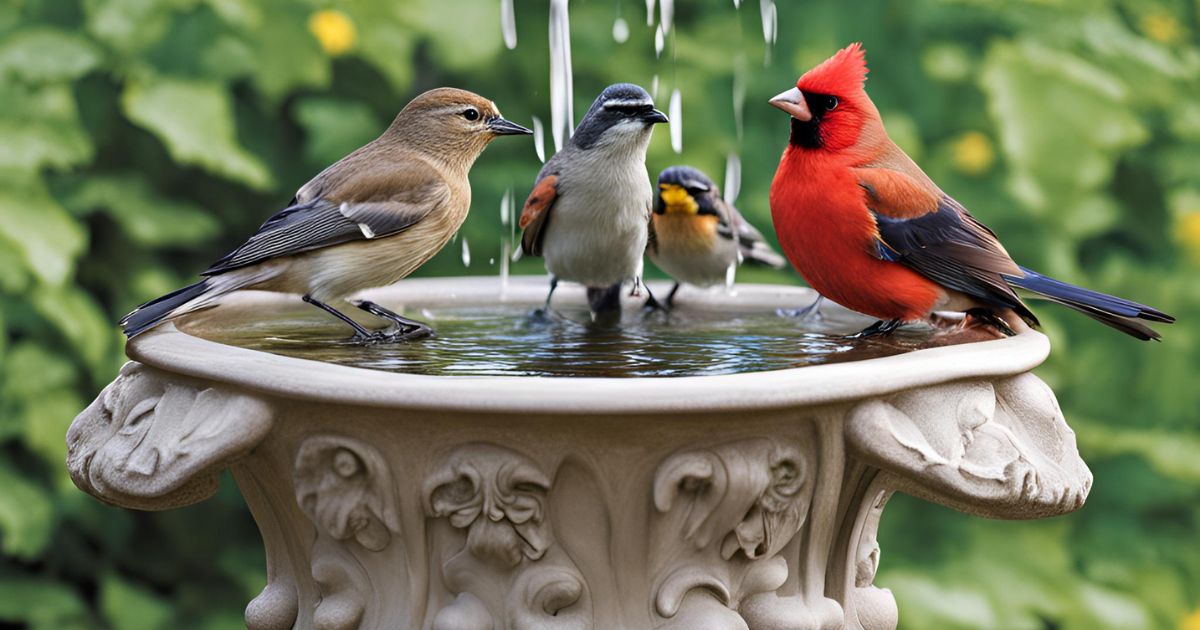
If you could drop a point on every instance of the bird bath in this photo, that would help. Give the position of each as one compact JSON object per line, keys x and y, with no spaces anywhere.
{"x":505,"y":485}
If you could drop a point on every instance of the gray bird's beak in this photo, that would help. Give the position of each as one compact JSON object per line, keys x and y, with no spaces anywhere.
{"x":502,"y":127}
{"x":792,"y":102}
{"x":654,"y":116}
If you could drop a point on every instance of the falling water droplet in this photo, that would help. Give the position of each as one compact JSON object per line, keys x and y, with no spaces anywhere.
{"x":506,"y":207}
{"x":508,"y":23}
{"x":466,"y":253}
{"x":518,"y":252}
{"x":654,"y":87}
{"x":730,"y":276}
{"x":737,"y":4}
{"x":562,"y":116}
{"x":491,"y":262}
{"x":659,"y":40}
{"x":739,"y":95}
{"x":539,"y":139}
{"x":620,"y":31}
{"x":666,"y":14}
{"x":675,"y":113}
{"x":503,"y":268}
{"x":649,"y":12}
{"x":733,"y":178}
{"x":770,"y":26}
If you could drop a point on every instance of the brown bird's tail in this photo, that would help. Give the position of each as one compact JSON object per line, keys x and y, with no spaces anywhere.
{"x":1116,"y":312}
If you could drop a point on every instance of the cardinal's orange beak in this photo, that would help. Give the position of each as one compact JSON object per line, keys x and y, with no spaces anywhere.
{"x":792,"y":102}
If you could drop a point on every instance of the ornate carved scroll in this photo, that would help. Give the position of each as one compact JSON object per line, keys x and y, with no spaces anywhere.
{"x":153,"y":442}
{"x":725,"y":514}
{"x":498,"y":555}
{"x":1002,"y":451}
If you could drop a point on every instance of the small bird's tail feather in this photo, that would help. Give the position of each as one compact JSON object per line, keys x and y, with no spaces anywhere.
{"x":1116,"y":312}
{"x":762,"y":254}
{"x":604,"y":300}
{"x":152,"y":313}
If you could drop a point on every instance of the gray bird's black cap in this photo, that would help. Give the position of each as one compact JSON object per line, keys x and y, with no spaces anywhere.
{"x":617,"y":103}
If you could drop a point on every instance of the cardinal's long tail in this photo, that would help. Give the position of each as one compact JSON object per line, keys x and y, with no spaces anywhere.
{"x":1111,"y":311}
{"x":155,"y":311}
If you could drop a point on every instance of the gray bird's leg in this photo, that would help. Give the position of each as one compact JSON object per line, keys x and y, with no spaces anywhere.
{"x":671,"y":295}
{"x":409,"y":329}
{"x":361,"y":335}
{"x":878,"y":329}
{"x":811,"y":312}
{"x":544,"y":312}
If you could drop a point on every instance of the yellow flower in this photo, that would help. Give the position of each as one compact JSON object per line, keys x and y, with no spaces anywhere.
{"x":334,"y":30}
{"x":1161,"y":27}
{"x":1187,"y":233}
{"x":973,"y":153}
{"x":1192,"y":621}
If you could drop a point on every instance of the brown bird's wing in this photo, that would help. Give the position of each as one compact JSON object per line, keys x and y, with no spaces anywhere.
{"x":942,"y":242}
{"x":369,"y":205}
{"x":536,"y":213}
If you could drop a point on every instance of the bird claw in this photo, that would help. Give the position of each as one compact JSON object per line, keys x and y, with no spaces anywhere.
{"x":810,"y":313}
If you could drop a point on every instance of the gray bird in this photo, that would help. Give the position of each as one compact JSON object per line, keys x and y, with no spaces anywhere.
{"x":368,"y":220}
{"x":697,"y":236}
{"x":589,"y":212}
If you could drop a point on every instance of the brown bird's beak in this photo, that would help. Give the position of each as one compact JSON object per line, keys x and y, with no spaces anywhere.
{"x":502,"y":127}
{"x":792,"y":102}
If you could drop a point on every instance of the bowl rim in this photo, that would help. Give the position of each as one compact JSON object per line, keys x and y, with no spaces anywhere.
{"x":173,"y":350}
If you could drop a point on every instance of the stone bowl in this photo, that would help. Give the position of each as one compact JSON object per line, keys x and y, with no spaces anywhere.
{"x":749,"y":500}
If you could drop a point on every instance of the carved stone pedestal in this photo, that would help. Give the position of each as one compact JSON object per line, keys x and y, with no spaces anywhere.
{"x":742,"y":501}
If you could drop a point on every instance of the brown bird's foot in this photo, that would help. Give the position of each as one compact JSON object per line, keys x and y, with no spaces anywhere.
{"x":878,"y":329}
{"x":981,"y":317}
{"x":405,"y":329}
{"x":652,"y":303}
{"x":361,"y":334}
{"x":812,"y":312}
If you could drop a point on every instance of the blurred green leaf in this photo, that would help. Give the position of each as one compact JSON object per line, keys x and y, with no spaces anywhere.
{"x":48,"y":237}
{"x":26,"y":515}
{"x":147,"y":217}
{"x":42,"y":603}
{"x":46,"y":55}
{"x":40,"y":127}
{"x":194,"y":119}
{"x":131,"y":607}
{"x":78,"y":320}
{"x":335,"y":127}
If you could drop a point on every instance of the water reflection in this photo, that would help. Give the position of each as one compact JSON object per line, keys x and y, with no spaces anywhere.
{"x":506,"y":340}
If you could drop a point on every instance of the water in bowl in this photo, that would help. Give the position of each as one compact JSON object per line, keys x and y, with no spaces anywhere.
{"x":507,"y":340}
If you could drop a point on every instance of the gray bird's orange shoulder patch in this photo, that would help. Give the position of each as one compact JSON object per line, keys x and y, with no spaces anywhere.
{"x":536,"y":212}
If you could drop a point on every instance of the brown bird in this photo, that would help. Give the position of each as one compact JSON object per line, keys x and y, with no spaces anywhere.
{"x":368,"y":220}
{"x":698,"y":236}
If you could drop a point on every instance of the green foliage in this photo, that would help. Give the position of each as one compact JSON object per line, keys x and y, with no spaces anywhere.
{"x":139,"y":139}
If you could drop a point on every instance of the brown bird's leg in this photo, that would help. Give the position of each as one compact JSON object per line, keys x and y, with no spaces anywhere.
{"x":360,"y":334}
{"x":879,"y":328}
{"x":410,"y":329}
{"x":671,"y":296}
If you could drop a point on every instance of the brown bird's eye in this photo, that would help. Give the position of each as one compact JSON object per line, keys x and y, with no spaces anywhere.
{"x":831,"y":103}
{"x":471,"y":114}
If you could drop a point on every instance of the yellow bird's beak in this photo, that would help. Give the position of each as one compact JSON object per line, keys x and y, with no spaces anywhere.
{"x":676,"y":199}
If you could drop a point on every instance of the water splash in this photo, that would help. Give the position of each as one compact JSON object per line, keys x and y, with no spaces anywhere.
{"x":733,"y":178}
{"x":770,"y":27}
{"x":675,"y":113}
{"x":739,"y":95}
{"x":620,"y":31}
{"x":649,"y":12}
{"x":539,"y":139}
{"x":506,"y":207}
{"x":466,"y":253}
{"x":562,"y":114}
{"x":508,"y":23}
{"x":660,"y":40}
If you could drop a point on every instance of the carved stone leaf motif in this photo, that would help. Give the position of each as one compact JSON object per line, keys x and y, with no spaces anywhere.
{"x":735,"y":506}
{"x":498,"y":496}
{"x":154,"y":442}
{"x":1003,"y":451}
{"x":344,"y":487}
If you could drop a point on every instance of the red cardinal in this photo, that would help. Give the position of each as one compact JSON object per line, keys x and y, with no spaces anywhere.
{"x":868,"y":229}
